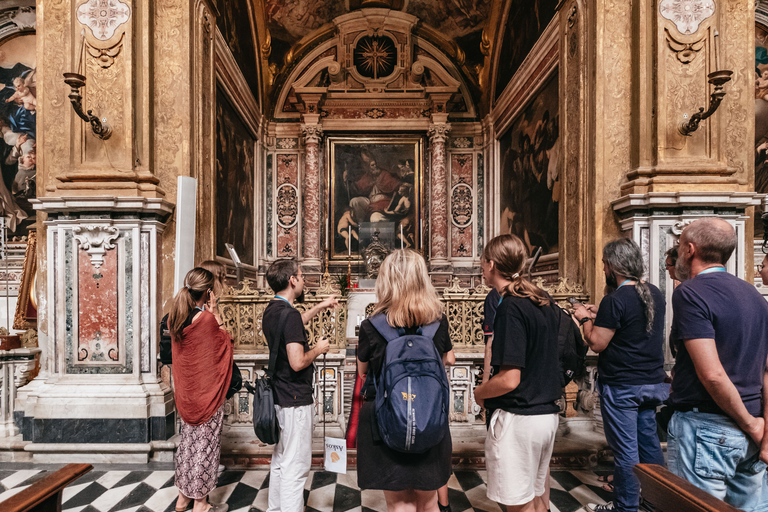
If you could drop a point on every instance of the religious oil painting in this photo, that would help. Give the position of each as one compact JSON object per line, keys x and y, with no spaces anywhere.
{"x":526,"y":21}
{"x":18,"y":120}
{"x":761,"y":116}
{"x":530,"y":172}
{"x":236,"y":26}
{"x":235,"y":162}
{"x":375,"y":193}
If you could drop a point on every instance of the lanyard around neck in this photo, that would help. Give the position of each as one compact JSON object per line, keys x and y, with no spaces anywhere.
{"x":623,"y":283}
{"x":712,"y":269}
{"x":283,"y":298}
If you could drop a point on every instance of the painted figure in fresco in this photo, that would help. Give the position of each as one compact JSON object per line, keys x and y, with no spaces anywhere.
{"x":346,"y":226}
{"x":406,"y":170}
{"x":23,"y":94}
{"x":372,"y":190}
{"x":401,"y":201}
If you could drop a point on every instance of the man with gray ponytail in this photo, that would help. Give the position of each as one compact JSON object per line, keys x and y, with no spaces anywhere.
{"x":717,"y":435}
{"x":627,"y":330}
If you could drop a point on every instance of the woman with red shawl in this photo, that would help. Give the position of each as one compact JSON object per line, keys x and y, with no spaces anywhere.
{"x":202,"y":370}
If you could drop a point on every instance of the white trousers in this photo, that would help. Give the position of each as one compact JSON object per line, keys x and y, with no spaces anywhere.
{"x":291,"y":459}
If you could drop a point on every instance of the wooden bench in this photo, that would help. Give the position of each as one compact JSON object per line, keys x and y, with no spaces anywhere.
{"x":668,"y":492}
{"x":45,"y":494}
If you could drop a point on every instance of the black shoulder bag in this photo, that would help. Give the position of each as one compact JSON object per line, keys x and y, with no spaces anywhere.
{"x":265,"y":423}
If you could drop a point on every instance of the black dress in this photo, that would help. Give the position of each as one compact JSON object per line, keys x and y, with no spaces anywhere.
{"x":378,"y":466}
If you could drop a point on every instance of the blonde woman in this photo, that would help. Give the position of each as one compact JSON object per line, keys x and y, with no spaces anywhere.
{"x":202,"y":364}
{"x":523,"y":389}
{"x":219,"y":272}
{"x":408,"y":299}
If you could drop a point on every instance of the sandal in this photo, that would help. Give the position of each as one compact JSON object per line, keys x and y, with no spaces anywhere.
{"x":605,"y":478}
{"x":188,"y":507}
{"x":608,"y":487}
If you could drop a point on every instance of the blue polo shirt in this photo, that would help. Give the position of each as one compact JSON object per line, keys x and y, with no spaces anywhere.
{"x":722,"y":307}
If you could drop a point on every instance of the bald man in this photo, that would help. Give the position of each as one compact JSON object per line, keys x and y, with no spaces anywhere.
{"x":717,"y":433}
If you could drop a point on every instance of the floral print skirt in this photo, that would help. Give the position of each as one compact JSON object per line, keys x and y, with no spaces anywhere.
{"x":197,"y":457}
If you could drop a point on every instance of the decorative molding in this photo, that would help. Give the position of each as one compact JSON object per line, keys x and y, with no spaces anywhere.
{"x":96,"y":240}
{"x":462,"y":143}
{"x":437,"y":132}
{"x":287,"y":203}
{"x":687,"y":15}
{"x":678,"y":227}
{"x":105,"y":57}
{"x":24,"y":18}
{"x":572,"y":16}
{"x":462,"y":204}
{"x":685,"y":52}
{"x":103,"y":17}
{"x":313,"y":133}
{"x":286,"y":143}
{"x":690,"y":200}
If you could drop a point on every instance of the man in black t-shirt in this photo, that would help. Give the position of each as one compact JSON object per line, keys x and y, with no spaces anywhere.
{"x":716,"y":435}
{"x":628,"y":333}
{"x":283,"y":328}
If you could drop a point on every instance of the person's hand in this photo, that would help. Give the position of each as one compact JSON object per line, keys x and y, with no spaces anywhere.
{"x":480,"y":402}
{"x":323,"y":346}
{"x":756,"y":430}
{"x":212,"y":301}
{"x":21,"y":140}
{"x":330,"y":302}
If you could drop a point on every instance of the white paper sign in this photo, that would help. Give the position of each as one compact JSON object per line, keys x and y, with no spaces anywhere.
{"x":336,"y":455}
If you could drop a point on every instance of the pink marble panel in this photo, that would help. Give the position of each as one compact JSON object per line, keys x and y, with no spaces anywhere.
{"x":97,"y":311}
{"x":287,"y":172}
{"x":439,"y":220}
{"x":461,"y":169}
{"x":311,"y":202}
{"x":461,"y":242}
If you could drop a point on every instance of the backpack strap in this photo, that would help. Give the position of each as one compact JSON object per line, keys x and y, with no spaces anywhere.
{"x":429,"y":331}
{"x":380,"y":323}
{"x":270,"y":370}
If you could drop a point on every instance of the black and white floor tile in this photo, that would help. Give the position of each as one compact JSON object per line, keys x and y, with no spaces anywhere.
{"x":149,"y":489}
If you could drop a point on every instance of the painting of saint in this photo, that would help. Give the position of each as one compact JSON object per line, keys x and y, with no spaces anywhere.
{"x":373,"y":181}
{"x":761,"y":116}
{"x":18,"y":121}
{"x":235,"y":170}
{"x":530,"y":172}
{"x":235,"y":24}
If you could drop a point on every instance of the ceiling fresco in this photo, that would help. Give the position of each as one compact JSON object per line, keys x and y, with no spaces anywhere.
{"x":290,"y":20}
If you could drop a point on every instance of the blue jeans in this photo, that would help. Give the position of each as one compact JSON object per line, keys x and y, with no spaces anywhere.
{"x":712,"y":453}
{"x":629,"y":419}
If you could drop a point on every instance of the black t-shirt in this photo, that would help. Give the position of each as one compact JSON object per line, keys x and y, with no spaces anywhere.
{"x":722,"y":307}
{"x":291,"y":389}
{"x":634,"y":356}
{"x":489,"y":310}
{"x":525,"y":336}
{"x":371,"y":345}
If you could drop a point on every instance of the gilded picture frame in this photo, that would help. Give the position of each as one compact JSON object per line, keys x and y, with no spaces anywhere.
{"x":374,"y":184}
{"x":26,"y":307}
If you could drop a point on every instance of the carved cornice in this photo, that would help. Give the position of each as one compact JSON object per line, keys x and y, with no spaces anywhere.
{"x":438,"y":132}
{"x":96,"y":240}
{"x":313,"y":133}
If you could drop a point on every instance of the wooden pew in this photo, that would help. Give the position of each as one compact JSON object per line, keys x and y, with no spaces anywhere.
{"x":45,"y":494}
{"x":668,"y":492}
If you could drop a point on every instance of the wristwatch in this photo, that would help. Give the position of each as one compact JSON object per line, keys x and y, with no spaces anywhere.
{"x":584,"y":320}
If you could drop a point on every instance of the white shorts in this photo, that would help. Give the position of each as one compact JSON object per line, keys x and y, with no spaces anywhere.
{"x":517,"y":453}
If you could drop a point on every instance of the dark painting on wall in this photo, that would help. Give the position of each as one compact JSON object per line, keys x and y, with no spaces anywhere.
{"x":375,"y":182}
{"x":526,"y":22}
{"x":18,"y":121}
{"x":761,"y":117}
{"x":234,"y":182}
{"x":530,"y":172}
{"x":235,"y":25}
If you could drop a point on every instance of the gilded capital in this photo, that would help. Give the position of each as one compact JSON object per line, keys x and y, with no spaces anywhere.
{"x":312,"y":133}
{"x":438,"y":132}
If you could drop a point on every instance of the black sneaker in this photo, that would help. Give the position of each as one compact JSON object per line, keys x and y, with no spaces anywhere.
{"x":444,"y":508}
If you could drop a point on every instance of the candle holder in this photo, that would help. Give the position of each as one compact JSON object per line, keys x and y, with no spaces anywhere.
{"x":718,"y":79}
{"x":100,"y":128}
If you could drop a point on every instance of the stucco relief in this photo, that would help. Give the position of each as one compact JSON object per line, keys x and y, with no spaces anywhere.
{"x":739,"y":121}
{"x":617,"y":101}
{"x":96,"y":240}
{"x":685,"y":90}
{"x":103,"y":17}
{"x":687,"y":15}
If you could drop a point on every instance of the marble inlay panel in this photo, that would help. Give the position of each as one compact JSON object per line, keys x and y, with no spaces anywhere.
{"x":480,"y":203}
{"x":461,"y":208}
{"x":97,"y":305}
{"x":287,"y":238}
{"x":270,"y":169}
{"x":146,"y":351}
{"x":376,"y":113}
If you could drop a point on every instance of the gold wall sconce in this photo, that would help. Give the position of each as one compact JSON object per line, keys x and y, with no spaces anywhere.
{"x":100,"y":127}
{"x":717,"y":78}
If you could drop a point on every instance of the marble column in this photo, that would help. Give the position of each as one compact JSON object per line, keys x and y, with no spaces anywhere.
{"x":438,"y":218}
{"x":311,"y":197}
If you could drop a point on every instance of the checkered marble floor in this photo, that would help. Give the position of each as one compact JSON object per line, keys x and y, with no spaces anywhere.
{"x":151,"y":489}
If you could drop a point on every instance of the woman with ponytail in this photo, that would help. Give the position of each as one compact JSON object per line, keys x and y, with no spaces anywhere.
{"x":524,"y":387}
{"x":628,"y":333}
{"x":202,"y":370}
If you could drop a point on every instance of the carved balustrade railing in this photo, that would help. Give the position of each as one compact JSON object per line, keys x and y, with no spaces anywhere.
{"x":242,"y":310}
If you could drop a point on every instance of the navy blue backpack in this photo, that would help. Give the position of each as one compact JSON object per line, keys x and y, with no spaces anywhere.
{"x":412,"y":392}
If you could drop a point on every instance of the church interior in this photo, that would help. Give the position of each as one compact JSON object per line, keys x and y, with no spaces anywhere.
{"x":333,"y":132}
